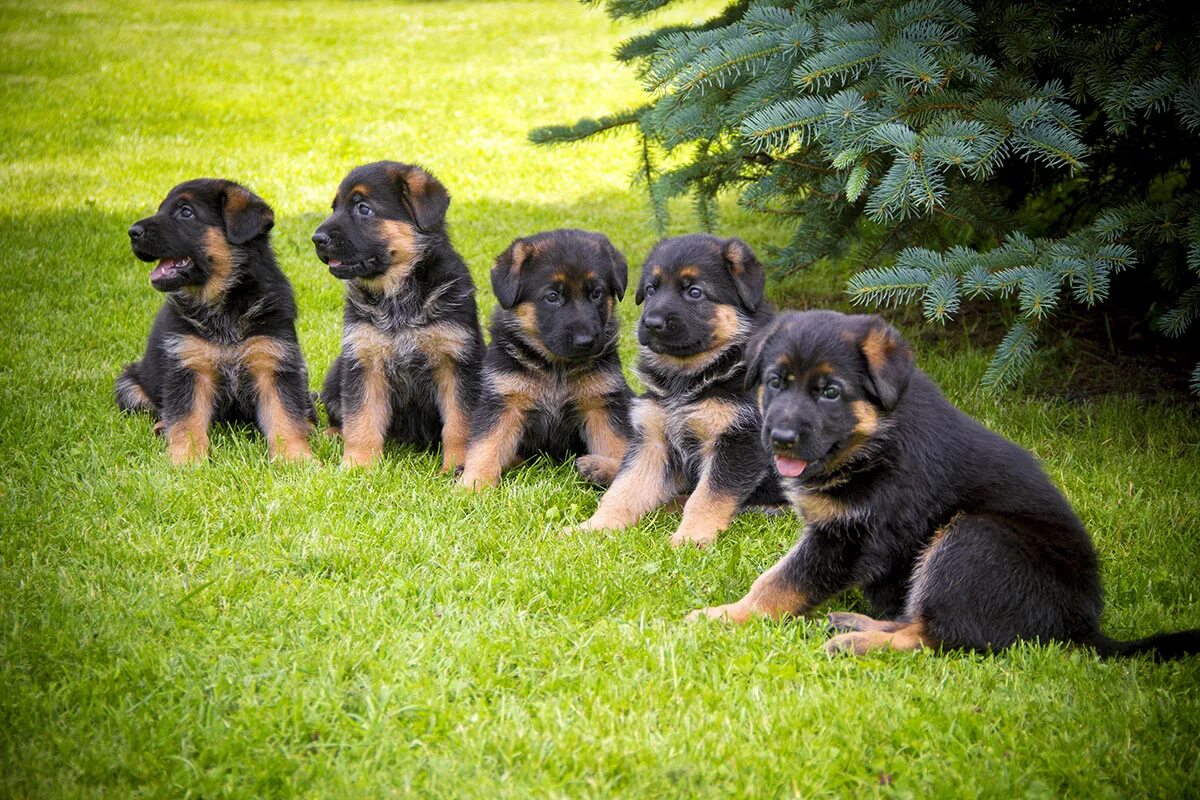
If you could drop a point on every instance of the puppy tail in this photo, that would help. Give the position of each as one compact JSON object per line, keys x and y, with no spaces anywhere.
{"x":131,"y":397}
{"x":1163,"y":646}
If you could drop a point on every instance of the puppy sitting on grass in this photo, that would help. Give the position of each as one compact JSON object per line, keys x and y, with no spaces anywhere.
{"x":955,"y":535}
{"x":223,"y":347}
{"x":552,"y":380}
{"x":411,"y":344}
{"x":695,"y":430}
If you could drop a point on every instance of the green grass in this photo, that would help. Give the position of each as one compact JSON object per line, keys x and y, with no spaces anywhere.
{"x":253,"y":630}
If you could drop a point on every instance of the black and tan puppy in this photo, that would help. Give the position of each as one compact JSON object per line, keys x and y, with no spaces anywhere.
{"x":223,"y":347}
{"x":955,"y":535}
{"x":552,"y":380}
{"x":411,"y":344}
{"x":696,"y":428}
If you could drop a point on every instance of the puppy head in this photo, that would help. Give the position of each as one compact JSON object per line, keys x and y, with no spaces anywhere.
{"x":826,"y":385}
{"x":383,"y":217}
{"x":700,"y":293}
{"x":198,"y":233}
{"x":562,"y":287}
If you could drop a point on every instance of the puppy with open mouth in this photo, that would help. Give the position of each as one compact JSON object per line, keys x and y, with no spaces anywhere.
{"x":695,"y":430}
{"x":411,"y":343}
{"x":956,"y":536}
{"x":552,"y":380}
{"x":223,"y":347}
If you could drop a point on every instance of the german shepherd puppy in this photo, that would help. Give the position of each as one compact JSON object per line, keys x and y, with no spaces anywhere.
{"x":955,"y":535}
{"x":696,"y":429}
{"x":223,"y":347}
{"x":552,"y":380}
{"x":411,"y":344}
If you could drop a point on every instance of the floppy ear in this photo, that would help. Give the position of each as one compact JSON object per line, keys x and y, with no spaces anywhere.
{"x":754,"y":352}
{"x":506,"y":273}
{"x":889,"y":360}
{"x":619,"y":269}
{"x":746,"y":272}
{"x":423,"y":195}
{"x":246,"y":215}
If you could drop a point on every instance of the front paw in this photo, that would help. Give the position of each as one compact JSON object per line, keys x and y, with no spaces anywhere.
{"x":473,"y":481}
{"x":598,"y":470}
{"x":734,"y":613}
{"x":701,"y":540}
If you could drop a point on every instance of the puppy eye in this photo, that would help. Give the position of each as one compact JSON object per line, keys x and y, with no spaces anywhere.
{"x":651,"y":289}
{"x":831,"y":392}
{"x":597,"y":293}
{"x":551,"y":296}
{"x":364,"y":210}
{"x":774,"y":382}
{"x":185,"y":212}
{"x":695,"y":292}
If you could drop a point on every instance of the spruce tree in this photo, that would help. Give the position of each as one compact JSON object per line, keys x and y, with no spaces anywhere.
{"x":939,"y":149}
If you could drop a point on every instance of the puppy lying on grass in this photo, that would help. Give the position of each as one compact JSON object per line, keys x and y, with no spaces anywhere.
{"x":955,"y":535}
{"x":223,"y":347}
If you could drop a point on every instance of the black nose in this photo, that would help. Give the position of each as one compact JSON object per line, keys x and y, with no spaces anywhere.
{"x":136,"y":231}
{"x":582,"y":340}
{"x":320,"y":239}
{"x":784,"y":437}
{"x":655,"y":322}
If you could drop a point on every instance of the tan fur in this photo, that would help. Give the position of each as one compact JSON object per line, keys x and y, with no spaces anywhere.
{"x":726,"y":326}
{"x":589,"y":389}
{"x":220,"y":257}
{"x":588,"y":392}
{"x":849,"y":621}
{"x":768,"y":597}
{"x":402,"y":250}
{"x":526,"y":314}
{"x":817,"y":508}
{"x":495,"y":451}
{"x":287,"y":437}
{"x":705,"y":515}
{"x":907,"y":638}
{"x":645,"y":483}
{"x":456,"y":426}
{"x":187,"y":439}
{"x":365,"y":428}
{"x":710,"y":418}
{"x":877,"y":346}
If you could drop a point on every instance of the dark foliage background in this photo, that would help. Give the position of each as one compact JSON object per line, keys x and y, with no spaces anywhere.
{"x":941,"y":151}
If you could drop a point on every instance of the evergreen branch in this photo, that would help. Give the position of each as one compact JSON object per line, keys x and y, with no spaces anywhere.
{"x":585,"y":128}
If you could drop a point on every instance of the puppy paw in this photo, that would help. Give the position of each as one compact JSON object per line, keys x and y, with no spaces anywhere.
{"x":846,"y":644}
{"x":333,"y":432}
{"x":844,"y":621}
{"x":734,"y":613}
{"x":598,"y":470}
{"x":476,"y":482}
{"x":701,"y":540}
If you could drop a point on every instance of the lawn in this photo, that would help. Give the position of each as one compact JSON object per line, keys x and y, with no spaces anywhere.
{"x":244,"y":629}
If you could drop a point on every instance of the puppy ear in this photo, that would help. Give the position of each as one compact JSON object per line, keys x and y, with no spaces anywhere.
{"x":889,"y":360}
{"x":506,"y":273}
{"x":747,"y":273}
{"x":247,"y":216}
{"x":423,"y":195}
{"x":754,"y":352}
{"x":619,"y":269}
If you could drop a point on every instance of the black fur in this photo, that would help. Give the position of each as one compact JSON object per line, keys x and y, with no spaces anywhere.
{"x":403,"y":278}
{"x":938,"y":520}
{"x":223,"y":287}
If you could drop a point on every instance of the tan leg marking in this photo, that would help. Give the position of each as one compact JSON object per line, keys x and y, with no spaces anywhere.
{"x":644,"y":483}
{"x":705,"y":515}
{"x":365,"y":428}
{"x":769,"y":596}
{"x":444,"y":346}
{"x":849,"y":621}
{"x":187,"y":438}
{"x":590,"y":393}
{"x":287,"y":436}
{"x":909,"y":637}
{"x":496,"y":450}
